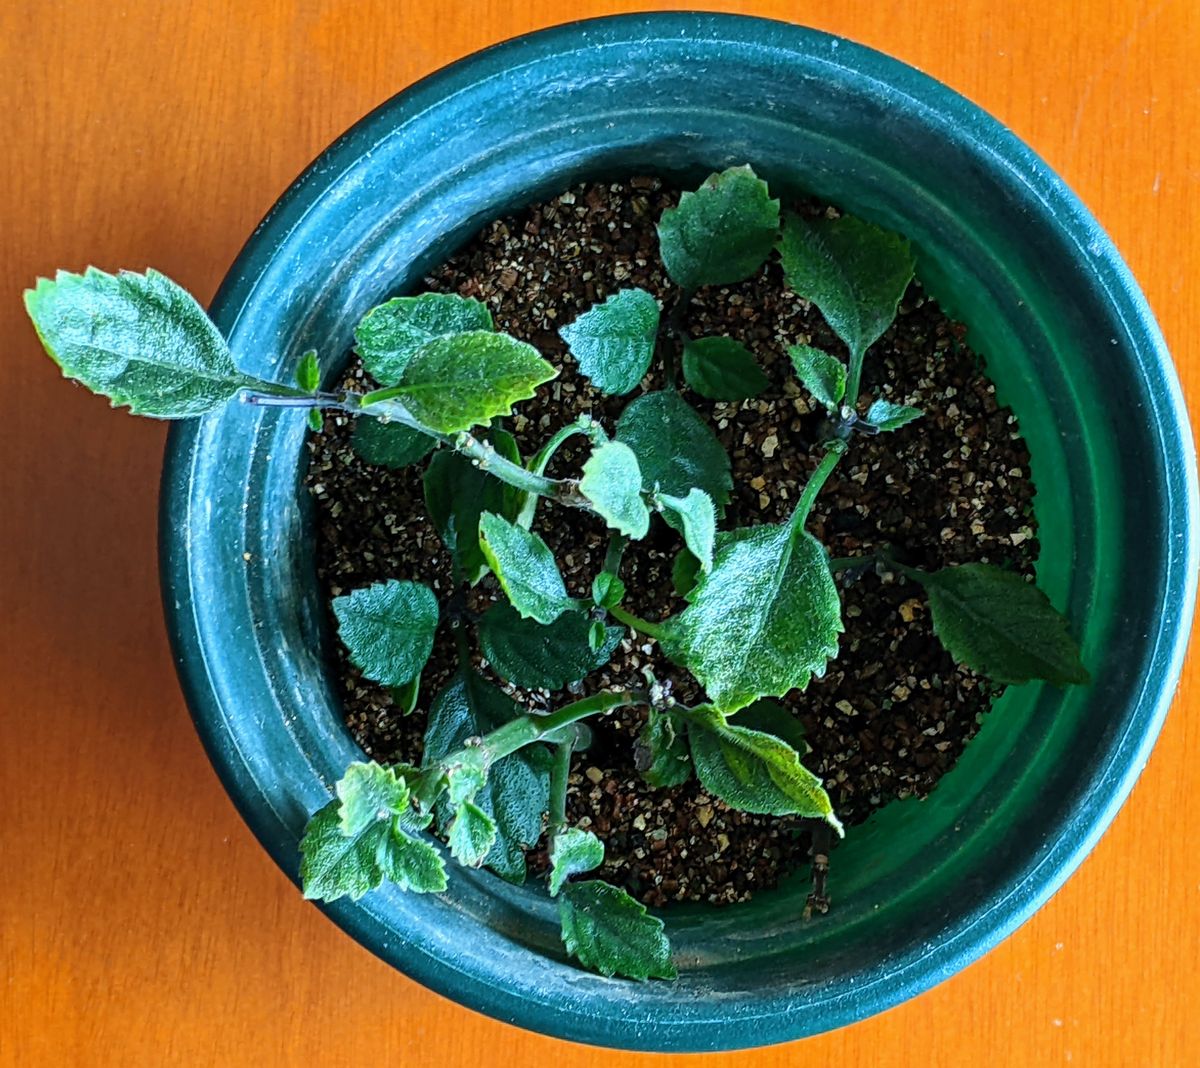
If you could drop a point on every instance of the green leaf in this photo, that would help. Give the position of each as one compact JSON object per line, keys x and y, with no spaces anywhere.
{"x":608,"y":931}
{"x":457,"y":493}
{"x":368,"y":793}
{"x":888,"y":416}
{"x":661,"y":751}
{"x":762,"y":621}
{"x":316,"y":420}
{"x":697,"y":514}
{"x":720,"y":368}
{"x":525,"y":568}
{"x":675,"y":448}
{"x":608,"y":590}
{"x":140,"y":340}
{"x":722,"y":233}
{"x":388,"y":629}
{"x":411,"y":863}
{"x":308,"y":372}
{"x":753,"y":771}
{"x":770,"y":717}
{"x":998,"y":624}
{"x":824,"y":376}
{"x":614,"y":341}
{"x":612,"y":482}
{"x":404,"y":697}
{"x":471,"y":835}
{"x":573,"y":852}
{"x":466,"y":776}
{"x":389,"y":335}
{"x":536,"y":656}
{"x":517,"y":790}
{"x":454,"y":383}
{"x":684,"y":572}
{"x":598,"y":635}
{"x":854,"y":271}
{"x":390,"y":444}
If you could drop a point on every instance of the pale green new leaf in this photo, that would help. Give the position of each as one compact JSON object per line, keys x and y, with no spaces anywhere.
{"x":138,"y":339}
{"x":611,"y":933}
{"x":410,"y":862}
{"x":762,"y":621}
{"x":368,"y":793}
{"x":389,"y":335}
{"x":888,"y":416}
{"x":998,"y":624}
{"x":614,"y":341}
{"x":525,"y":569}
{"x":388,"y":629}
{"x":404,"y":697}
{"x":308,"y":372}
{"x":612,"y":482}
{"x":389,"y":444}
{"x":661,"y":751}
{"x":697,"y":515}
{"x":824,"y":376}
{"x":471,"y":835}
{"x":722,"y":369}
{"x":537,"y":656}
{"x":722,"y":233}
{"x":572,"y":852}
{"x":608,"y":590}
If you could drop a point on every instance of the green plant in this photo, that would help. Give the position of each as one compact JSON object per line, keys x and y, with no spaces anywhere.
{"x":762,"y":614}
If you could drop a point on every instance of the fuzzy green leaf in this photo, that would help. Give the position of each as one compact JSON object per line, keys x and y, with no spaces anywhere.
{"x":661,"y":751}
{"x":753,"y":771}
{"x":611,"y":933}
{"x":388,"y":629}
{"x":612,"y":481}
{"x":614,"y":341}
{"x":525,"y":569}
{"x":854,"y":271}
{"x":824,"y":376}
{"x":471,"y":835}
{"x":762,"y":621}
{"x":410,"y":862}
{"x":675,"y":448}
{"x":404,"y":697}
{"x":770,"y":717}
{"x":389,"y":444}
{"x":598,"y":635}
{"x":888,"y":416}
{"x":389,"y":335}
{"x":697,"y":515}
{"x":998,"y":624}
{"x":720,"y":368}
{"x":456,"y":382}
{"x":466,"y":776}
{"x":457,"y":493}
{"x":684,"y":572}
{"x":722,"y":233}
{"x":369,"y":792}
{"x":308,"y":372}
{"x":517,"y":790}
{"x":572,"y":852}
{"x":536,"y":656}
{"x":608,"y":590}
{"x":138,"y":339}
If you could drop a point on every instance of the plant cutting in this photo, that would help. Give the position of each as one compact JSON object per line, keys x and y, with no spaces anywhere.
{"x":762,"y":610}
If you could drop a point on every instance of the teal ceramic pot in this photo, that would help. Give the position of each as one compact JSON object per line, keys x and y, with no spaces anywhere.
{"x":924,"y":888}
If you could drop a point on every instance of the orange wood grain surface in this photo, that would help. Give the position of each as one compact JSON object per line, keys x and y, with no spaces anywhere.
{"x":140,"y":923}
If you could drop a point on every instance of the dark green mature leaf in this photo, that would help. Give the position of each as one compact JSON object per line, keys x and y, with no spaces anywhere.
{"x":661,"y":752}
{"x":457,"y":493}
{"x":525,"y":569}
{"x":888,"y":416}
{"x":138,"y":339}
{"x":722,"y":369}
{"x":389,"y":335}
{"x":612,"y":481}
{"x":517,"y":791}
{"x":388,"y":629}
{"x":697,"y":515}
{"x":762,"y":621}
{"x":471,"y":835}
{"x":608,"y":931}
{"x":722,"y":233}
{"x":536,"y":656}
{"x":824,"y":376}
{"x":456,"y":382}
{"x":614,"y":341}
{"x":390,"y":444}
{"x":675,"y":448}
{"x":770,"y":717}
{"x":308,"y":372}
{"x":572,"y":852}
{"x":684,"y":572}
{"x":368,"y":793}
{"x":753,"y":771}
{"x":998,"y":624}
{"x":854,"y":271}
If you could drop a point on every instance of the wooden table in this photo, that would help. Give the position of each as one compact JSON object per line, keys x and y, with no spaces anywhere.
{"x":140,"y":923}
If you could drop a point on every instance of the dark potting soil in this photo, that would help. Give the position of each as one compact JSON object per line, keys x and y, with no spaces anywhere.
{"x":893,"y":711}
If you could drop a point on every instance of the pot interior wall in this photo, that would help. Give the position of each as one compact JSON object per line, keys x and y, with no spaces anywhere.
{"x":924,"y":886}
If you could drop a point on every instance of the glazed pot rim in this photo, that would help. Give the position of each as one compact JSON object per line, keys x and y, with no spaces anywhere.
{"x":975,"y":932}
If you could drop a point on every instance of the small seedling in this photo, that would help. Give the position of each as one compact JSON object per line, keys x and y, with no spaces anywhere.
{"x":762,"y":615}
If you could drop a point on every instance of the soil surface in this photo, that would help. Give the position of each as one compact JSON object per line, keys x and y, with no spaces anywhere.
{"x":892,"y":713}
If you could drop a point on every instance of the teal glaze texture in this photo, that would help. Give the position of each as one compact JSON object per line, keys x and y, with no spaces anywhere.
{"x":923,"y":888}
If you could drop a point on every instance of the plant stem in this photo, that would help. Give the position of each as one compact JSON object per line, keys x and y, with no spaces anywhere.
{"x":525,"y":730}
{"x":642,"y":626}
{"x":559,"y":772}
{"x":673,"y":328}
{"x":835,"y":451}
{"x":616,"y":549}
{"x":854,"y":379}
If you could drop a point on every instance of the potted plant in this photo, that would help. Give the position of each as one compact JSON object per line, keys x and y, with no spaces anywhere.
{"x":762,"y":614}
